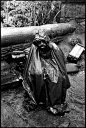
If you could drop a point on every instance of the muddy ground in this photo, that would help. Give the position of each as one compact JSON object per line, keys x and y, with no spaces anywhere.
{"x":13,"y":113}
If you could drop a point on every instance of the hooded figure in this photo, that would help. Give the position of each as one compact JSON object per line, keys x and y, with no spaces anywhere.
{"x":45,"y":77}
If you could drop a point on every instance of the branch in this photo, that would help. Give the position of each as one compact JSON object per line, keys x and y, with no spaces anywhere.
{"x":58,"y":13}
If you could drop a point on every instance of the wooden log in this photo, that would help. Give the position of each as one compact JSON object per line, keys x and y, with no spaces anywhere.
{"x":13,"y":36}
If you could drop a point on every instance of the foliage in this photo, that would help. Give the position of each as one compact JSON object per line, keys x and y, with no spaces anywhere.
{"x":27,"y":13}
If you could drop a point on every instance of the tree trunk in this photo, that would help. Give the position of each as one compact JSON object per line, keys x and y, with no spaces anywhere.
{"x":13,"y":36}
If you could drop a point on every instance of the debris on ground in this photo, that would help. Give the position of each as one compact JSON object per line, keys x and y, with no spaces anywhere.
{"x":76,"y":52}
{"x":72,"y":68}
{"x":9,"y":77}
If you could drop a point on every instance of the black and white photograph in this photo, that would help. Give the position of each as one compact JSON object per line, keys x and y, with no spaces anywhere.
{"x":43,"y":63}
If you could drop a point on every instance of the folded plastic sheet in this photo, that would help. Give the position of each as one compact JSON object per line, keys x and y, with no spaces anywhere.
{"x":45,"y":77}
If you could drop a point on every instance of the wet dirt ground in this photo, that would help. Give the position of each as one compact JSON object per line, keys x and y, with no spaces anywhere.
{"x":13,"y":114}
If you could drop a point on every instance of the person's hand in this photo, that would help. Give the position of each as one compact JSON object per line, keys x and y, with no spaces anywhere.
{"x":53,"y":45}
{"x":50,"y":44}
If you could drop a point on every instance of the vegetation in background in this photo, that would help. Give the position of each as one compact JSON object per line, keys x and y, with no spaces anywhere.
{"x":28,"y":13}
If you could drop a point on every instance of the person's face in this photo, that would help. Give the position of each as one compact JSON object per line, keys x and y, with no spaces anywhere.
{"x":41,"y":44}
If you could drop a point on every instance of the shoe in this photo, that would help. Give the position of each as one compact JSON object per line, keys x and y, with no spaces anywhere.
{"x":55,"y":112}
{"x":52,"y":110}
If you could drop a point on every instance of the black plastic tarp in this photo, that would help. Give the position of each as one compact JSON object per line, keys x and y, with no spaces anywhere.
{"x":45,"y":77}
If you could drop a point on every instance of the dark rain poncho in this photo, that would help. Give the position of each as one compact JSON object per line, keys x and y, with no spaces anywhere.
{"x":45,"y":76}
